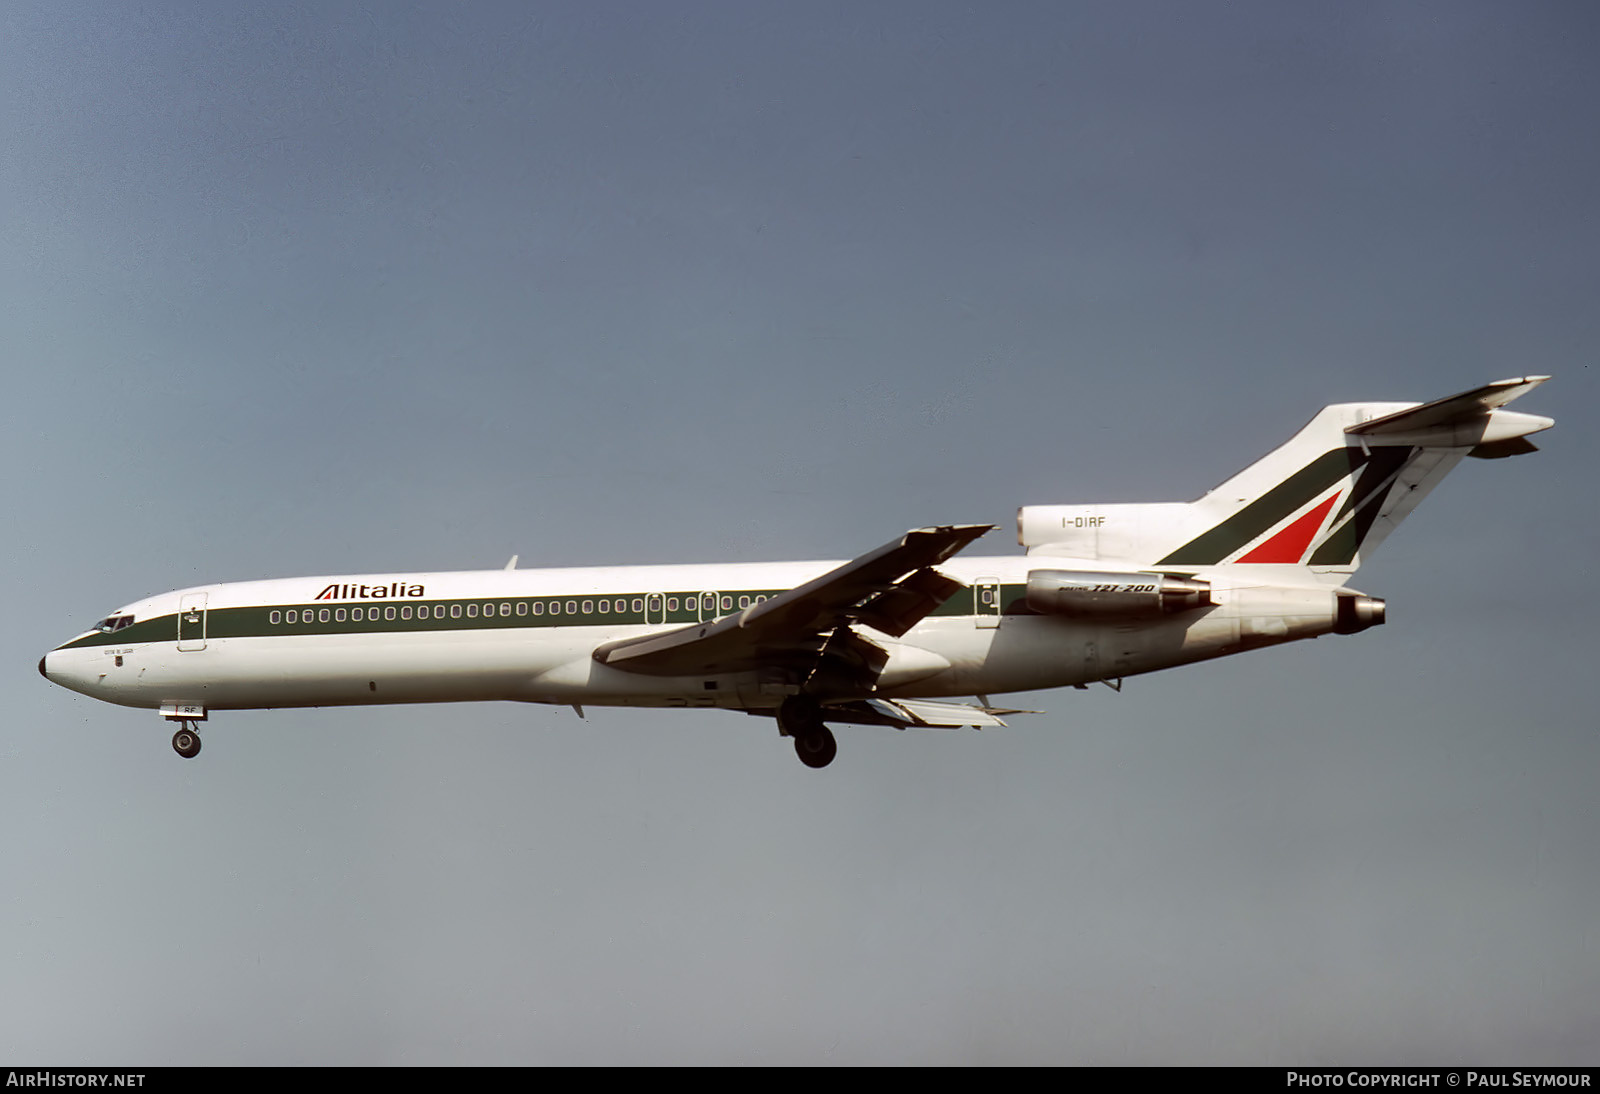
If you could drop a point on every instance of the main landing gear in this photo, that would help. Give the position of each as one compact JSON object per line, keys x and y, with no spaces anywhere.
{"x":800,"y":717}
{"x":186,"y":742}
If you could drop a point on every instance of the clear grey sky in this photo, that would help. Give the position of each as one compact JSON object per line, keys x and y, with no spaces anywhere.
{"x":322,"y":288}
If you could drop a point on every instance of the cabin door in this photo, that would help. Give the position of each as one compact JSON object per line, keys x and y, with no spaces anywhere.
{"x":192,"y":622}
{"x":986,"y":601}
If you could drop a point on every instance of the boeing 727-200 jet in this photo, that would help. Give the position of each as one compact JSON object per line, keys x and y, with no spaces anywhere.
{"x":892,"y":638}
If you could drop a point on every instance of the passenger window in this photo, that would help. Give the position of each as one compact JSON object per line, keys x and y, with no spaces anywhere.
{"x":505,"y":609}
{"x":338,"y":615}
{"x":538,"y":607}
{"x":572,"y":607}
{"x":455,"y":611}
{"x":405,"y":611}
{"x":588,"y":606}
{"x":672,"y":603}
{"x":522,"y":607}
{"x":638,"y":605}
{"x":275,"y":618}
{"x":472,"y":611}
{"x":292,"y":616}
{"x":388,"y":613}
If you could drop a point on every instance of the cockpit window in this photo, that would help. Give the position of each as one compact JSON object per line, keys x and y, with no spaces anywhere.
{"x":113,"y":623}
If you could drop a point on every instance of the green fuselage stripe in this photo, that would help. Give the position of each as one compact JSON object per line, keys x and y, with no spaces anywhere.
{"x":472,"y":613}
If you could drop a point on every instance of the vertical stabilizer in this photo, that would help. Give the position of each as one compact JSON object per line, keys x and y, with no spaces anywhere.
{"x":1322,"y":501}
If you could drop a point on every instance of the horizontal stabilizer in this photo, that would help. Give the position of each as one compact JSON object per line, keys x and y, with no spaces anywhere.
{"x":1470,"y":414}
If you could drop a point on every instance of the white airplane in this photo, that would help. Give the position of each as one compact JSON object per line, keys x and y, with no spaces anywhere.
{"x":1103,"y":592}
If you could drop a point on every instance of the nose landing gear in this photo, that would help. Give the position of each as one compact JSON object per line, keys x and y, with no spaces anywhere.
{"x":186,"y":742}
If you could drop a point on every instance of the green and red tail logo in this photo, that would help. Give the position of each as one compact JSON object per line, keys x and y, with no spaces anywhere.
{"x":1374,"y":472}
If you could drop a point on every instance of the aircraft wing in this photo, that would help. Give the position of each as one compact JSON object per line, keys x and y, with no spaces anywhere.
{"x":889,"y":589}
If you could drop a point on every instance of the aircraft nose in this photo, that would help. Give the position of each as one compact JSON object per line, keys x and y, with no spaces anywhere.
{"x":53,"y":669}
{"x":71,"y":670}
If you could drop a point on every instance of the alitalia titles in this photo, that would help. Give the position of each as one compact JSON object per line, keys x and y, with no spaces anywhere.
{"x":369,"y":592}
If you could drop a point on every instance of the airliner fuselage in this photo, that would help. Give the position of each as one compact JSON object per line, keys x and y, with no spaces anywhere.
{"x":529,"y":636}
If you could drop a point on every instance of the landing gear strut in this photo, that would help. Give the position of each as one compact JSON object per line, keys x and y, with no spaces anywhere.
{"x":186,"y":742}
{"x":800,"y":717}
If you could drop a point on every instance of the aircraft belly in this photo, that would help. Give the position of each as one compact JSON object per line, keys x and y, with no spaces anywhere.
{"x":1023,"y":653}
{"x":584,"y":680}
{"x":333,"y":670}
{"x":1027,"y":653}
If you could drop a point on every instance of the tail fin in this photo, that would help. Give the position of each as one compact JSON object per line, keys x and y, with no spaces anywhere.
{"x":1324,"y":500}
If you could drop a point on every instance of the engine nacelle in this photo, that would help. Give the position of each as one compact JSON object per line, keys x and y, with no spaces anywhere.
{"x":1129,"y":595}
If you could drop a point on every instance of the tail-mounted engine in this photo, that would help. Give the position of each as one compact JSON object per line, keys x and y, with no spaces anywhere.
{"x":1128,"y":595}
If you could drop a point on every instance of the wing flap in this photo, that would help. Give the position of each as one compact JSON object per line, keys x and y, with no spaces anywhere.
{"x":925,"y":713}
{"x":899,"y":608}
{"x":917,"y":714}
